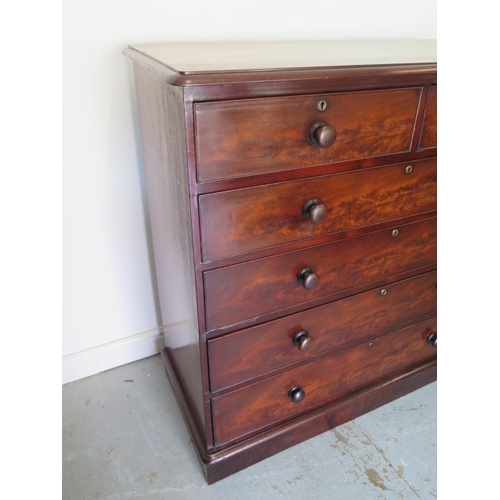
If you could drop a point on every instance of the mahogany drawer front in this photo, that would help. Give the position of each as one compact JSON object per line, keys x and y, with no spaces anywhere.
{"x":253,"y":136}
{"x":240,"y":356}
{"x":256,"y":406}
{"x":428,"y":139}
{"x":249,"y":290}
{"x":244,"y":220}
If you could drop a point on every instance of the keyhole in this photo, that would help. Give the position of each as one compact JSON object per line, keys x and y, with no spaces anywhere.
{"x":322,"y":105}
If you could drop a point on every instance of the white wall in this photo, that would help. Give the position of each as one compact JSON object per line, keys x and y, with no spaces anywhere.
{"x":110,"y":315}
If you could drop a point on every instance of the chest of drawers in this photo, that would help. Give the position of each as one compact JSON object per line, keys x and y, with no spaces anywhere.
{"x":292,"y":199}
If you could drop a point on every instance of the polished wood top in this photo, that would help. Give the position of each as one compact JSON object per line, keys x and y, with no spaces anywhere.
{"x":212,"y":57}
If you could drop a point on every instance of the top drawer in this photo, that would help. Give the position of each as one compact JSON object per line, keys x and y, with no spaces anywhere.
{"x":428,"y":139}
{"x":253,"y":136}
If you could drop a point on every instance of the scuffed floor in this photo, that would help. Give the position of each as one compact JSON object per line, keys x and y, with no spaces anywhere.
{"x":124,"y":438}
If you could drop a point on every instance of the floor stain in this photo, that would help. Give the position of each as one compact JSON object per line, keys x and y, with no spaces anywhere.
{"x":374,"y":478}
{"x":341,"y":437}
{"x":297,"y":478}
{"x":400,"y":470}
{"x":274,"y":487}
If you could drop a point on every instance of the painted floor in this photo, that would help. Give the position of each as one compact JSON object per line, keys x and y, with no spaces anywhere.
{"x":124,"y":438}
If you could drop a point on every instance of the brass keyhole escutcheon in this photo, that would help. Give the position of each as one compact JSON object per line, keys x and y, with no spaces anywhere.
{"x":408,"y":169}
{"x":322,"y":105}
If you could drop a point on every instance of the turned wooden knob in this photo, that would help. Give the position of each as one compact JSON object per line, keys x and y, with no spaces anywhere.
{"x":315,"y":211}
{"x":303,"y":341}
{"x":308,"y":278}
{"x":432,"y":339}
{"x":296,"y":394}
{"x":321,"y":134}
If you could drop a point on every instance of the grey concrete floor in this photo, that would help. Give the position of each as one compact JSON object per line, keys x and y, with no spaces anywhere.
{"x":124,"y":438}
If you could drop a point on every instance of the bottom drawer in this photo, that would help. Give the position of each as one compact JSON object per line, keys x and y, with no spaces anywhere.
{"x":325,"y":379}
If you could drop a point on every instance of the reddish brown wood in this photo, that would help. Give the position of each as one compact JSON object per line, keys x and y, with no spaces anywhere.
{"x":381,"y":112}
{"x":247,"y":291}
{"x":182,"y":398}
{"x":245,"y":220}
{"x":238,"y":138}
{"x":429,"y":129}
{"x":291,"y":78}
{"x":224,"y":461}
{"x":259,"y":405}
{"x":169,"y":187}
{"x":307,"y":172}
{"x":253,"y":352}
{"x":315,"y":241}
{"x":282,"y":83}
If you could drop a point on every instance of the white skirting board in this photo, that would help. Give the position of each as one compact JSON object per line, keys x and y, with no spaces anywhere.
{"x":101,"y":358}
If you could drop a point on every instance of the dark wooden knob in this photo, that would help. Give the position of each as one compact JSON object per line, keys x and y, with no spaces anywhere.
{"x":308,"y":278}
{"x":296,"y":394}
{"x":321,"y":134}
{"x":432,"y":339}
{"x":303,"y":341}
{"x":315,"y":211}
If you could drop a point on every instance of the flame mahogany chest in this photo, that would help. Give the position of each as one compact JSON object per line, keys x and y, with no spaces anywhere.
{"x":292,"y":199}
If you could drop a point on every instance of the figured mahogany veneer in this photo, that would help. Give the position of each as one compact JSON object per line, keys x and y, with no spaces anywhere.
{"x":264,"y":135}
{"x":249,"y":290}
{"x":429,"y":128}
{"x":244,"y":220}
{"x":292,"y":198}
{"x":255,"y":351}
{"x":250,"y":409}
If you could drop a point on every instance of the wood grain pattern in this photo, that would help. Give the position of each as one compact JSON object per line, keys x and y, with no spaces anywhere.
{"x":244,"y":220}
{"x":249,"y":290}
{"x":240,"y":356}
{"x":257,"y":406}
{"x":228,"y":161}
{"x":252,"y":136}
{"x":226,"y":460}
{"x":429,"y":128}
{"x":168,"y":200}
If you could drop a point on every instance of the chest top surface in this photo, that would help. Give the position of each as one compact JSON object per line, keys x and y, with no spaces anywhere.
{"x":213,"y":57}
